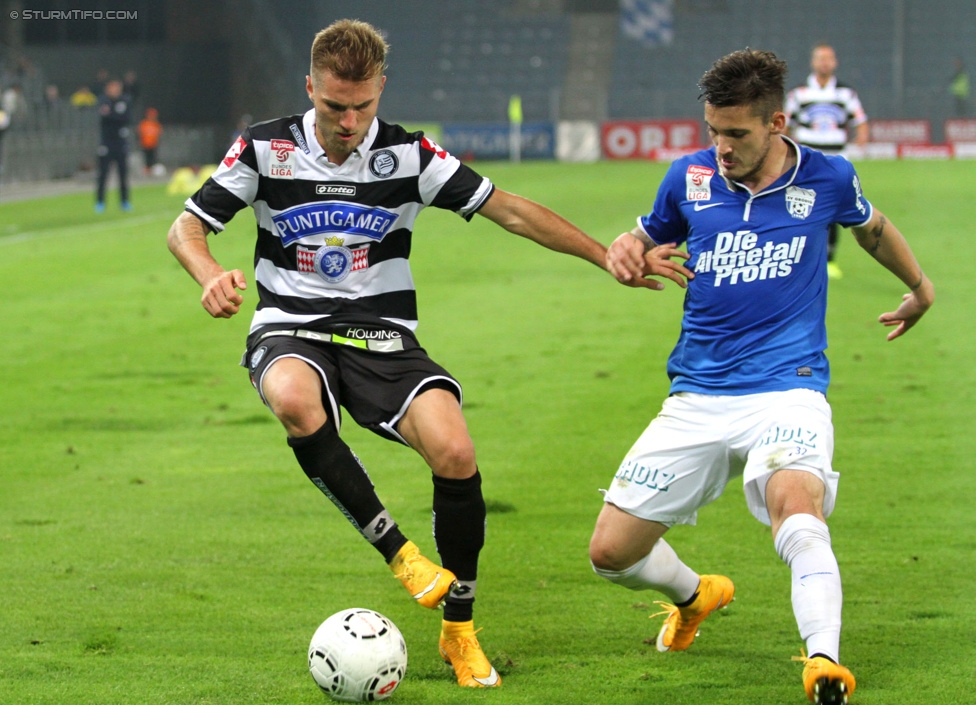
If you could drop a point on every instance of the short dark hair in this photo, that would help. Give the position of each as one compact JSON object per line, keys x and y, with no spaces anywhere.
{"x":350,"y":50}
{"x":746,"y":77}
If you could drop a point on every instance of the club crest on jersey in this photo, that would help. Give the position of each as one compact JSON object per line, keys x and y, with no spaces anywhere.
{"x":282,"y":164}
{"x":799,"y":201}
{"x":334,"y":261}
{"x":698,"y":180}
{"x":384,"y":164}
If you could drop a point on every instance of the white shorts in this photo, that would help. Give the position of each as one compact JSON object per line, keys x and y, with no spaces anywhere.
{"x":688,"y":454}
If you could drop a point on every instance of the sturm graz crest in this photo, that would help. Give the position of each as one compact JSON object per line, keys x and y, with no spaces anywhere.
{"x":383,"y":164}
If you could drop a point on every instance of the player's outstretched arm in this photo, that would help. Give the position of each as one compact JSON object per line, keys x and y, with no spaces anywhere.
{"x":536,"y":222}
{"x":633,"y":257}
{"x":187,"y":240}
{"x":882,"y":241}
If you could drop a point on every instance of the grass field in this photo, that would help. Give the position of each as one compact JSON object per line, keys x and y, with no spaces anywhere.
{"x":159,"y":544}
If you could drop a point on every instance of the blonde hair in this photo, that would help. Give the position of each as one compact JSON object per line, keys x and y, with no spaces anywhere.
{"x":350,"y":50}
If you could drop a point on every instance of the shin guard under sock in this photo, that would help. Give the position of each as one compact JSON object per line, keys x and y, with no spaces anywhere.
{"x":459,"y":532}
{"x":332,"y":466}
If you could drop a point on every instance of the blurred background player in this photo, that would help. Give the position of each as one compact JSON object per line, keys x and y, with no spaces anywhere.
{"x":113,"y":112}
{"x":748,"y":374}
{"x":149,"y":133}
{"x":821,"y":114}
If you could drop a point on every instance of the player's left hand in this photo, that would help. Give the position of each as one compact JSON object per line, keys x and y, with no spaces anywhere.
{"x":913,"y":307}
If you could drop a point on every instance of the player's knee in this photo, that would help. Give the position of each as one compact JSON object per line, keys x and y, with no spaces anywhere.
{"x":455,"y":459}
{"x":299,"y":412}
{"x":605,"y":556}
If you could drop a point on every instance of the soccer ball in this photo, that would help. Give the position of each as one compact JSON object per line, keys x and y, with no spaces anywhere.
{"x":357,"y":655}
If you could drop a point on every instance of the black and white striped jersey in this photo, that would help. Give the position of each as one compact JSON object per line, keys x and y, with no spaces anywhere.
{"x":821,"y":117}
{"x":334,"y":240}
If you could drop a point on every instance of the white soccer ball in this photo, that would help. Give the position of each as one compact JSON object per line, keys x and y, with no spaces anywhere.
{"x":357,"y":655}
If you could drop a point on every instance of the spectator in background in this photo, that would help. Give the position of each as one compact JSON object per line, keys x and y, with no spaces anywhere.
{"x":4,"y":124}
{"x":100,"y":82}
{"x":149,"y":133}
{"x":131,"y":86}
{"x":959,"y":88}
{"x":821,"y":113}
{"x":83,"y":98}
{"x":113,"y":111}
{"x":53,"y":105}
{"x":12,"y":102}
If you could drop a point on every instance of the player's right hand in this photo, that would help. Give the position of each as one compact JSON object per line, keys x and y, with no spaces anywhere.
{"x":220,"y":295}
{"x":631,"y":265}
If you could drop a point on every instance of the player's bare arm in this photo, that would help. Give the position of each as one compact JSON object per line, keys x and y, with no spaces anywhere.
{"x":633,"y":257}
{"x":523,"y":217}
{"x":882,"y":240}
{"x":187,"y":240}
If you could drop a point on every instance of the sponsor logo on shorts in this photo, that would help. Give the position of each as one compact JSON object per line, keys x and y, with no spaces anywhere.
{"x":740,"y":258}
{"x":789,"y":436}
{"x":634,"y":472}
{"x":333,"y":217}
{"x":384,"y":164}
{"x":364,"y":334}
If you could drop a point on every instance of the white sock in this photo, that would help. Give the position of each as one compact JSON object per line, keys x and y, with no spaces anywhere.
{"x":803,"y":542}
{"x":659,"y":570}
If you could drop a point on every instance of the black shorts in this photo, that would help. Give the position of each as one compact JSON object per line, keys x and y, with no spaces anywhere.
{"x":374,"y":385}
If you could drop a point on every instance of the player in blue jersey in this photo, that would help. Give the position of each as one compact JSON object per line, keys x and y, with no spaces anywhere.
{"x":748,"y":374}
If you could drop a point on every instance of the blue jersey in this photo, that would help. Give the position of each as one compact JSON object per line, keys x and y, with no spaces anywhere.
{"x":754,"y":315}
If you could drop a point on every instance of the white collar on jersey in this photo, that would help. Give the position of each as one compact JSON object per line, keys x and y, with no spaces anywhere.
{"x":315,"y":149}
{"x":812,"y":82}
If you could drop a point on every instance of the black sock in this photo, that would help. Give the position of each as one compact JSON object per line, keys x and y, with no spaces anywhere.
{"x":822,"y":656}
{"x":332,"y":466}
{"x":688,"y":601}
{"x":459,"y":531}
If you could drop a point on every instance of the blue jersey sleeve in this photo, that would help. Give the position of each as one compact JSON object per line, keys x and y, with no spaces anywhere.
{"x":852,"y":208}
{"x":665,"y":222}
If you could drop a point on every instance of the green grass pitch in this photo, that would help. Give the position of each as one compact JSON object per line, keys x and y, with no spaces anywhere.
{"x":159,"y":544}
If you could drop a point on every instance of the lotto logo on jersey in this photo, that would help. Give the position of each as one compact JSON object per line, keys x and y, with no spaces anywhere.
{"x":739,"y":258}
{"x":333,"y":217}
{"x":282,"y":164}
{"x":234,"y":152}
{"x":699,"y":182}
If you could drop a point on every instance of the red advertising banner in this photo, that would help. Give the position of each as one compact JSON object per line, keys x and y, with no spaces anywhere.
{"x":901,"y":131}
{"x":650,"y":139}
{"x":960,"y":130}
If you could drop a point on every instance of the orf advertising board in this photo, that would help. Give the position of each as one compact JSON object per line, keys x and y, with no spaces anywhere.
{"x":661,"y":140}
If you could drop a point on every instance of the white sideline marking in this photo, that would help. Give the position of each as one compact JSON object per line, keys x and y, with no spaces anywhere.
{"x":81,"y":229}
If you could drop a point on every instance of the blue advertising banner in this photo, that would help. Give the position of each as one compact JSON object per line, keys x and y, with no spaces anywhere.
{"x":490,"y":140}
